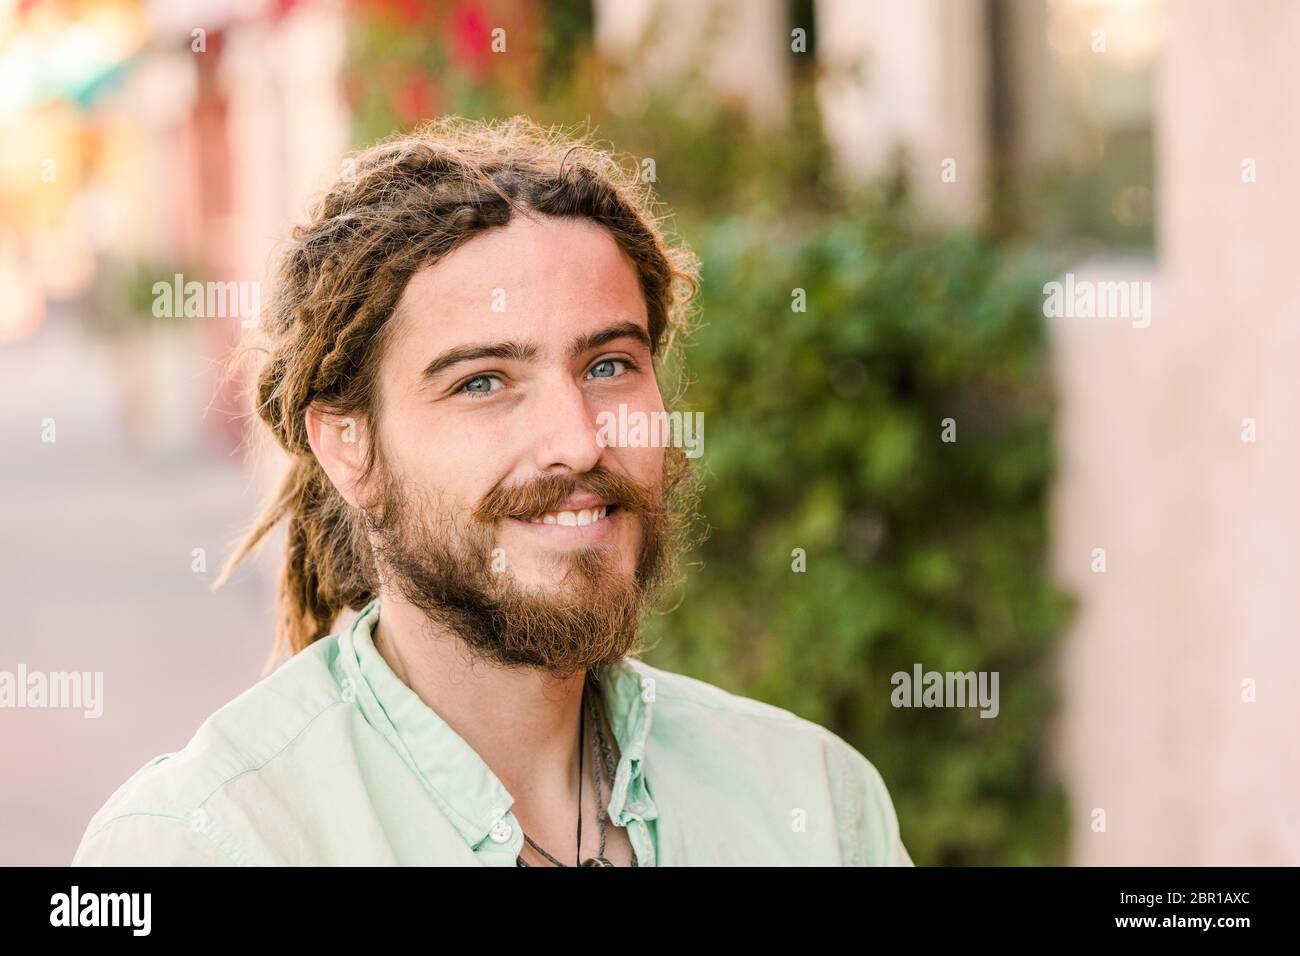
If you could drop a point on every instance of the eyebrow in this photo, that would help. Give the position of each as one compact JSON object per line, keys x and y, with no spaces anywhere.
{"x":514,"y":351}
{"x":528,"y":351}
{"x":623,"y":330}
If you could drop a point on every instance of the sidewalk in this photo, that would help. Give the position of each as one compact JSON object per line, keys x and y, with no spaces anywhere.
{"x":96,"y":575}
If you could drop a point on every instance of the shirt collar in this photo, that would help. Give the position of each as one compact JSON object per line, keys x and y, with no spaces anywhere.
{"x":461,"y":784}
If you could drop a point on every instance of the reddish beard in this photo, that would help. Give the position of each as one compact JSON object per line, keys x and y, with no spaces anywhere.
{"x":444,"y":567}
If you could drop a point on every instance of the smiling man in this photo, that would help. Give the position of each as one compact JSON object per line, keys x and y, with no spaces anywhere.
{"x":451,"y":325}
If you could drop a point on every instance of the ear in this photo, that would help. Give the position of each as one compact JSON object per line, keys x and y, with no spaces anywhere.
{"x":339,"y":443}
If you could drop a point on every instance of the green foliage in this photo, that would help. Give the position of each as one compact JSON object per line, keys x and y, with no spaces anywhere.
{"x":823,"y":432}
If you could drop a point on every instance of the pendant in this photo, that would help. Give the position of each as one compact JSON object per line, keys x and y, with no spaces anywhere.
{"x":596,"y":861}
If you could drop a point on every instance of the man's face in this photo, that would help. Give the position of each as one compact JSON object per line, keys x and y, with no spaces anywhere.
{"x":502,"y":356}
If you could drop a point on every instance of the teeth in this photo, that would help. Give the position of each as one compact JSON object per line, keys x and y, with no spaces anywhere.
{"x":571,"y":519}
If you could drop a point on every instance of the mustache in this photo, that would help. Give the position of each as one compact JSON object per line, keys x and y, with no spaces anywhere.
{"x":548,"y":492}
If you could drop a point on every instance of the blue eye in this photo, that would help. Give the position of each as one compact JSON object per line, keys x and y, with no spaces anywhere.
{"x":608,"y":366}
{"x":481,"y":385}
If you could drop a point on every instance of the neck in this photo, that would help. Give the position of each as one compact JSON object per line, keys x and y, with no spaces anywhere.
{"x":522,"y":721}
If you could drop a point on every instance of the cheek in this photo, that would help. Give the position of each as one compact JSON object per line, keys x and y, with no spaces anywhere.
{"x":641,"y":462}
{"x":453,"y":472}
{"x":649,"y":396}
{"x":644,"y":465}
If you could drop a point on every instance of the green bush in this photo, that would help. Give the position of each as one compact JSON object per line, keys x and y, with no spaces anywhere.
{"x":823,"y":432}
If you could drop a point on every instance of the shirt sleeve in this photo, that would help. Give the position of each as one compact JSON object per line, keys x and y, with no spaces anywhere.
{"x":148,"y":840}
{"x":903,"y":858}
{"x":864,"y":812}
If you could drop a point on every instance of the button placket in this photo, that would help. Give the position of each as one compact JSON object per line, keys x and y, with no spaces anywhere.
{"x":638,"y":803}
{"x":639,"y":833}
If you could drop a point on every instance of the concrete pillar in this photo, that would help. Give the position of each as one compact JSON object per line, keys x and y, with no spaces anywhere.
{"x":1181,"y":446}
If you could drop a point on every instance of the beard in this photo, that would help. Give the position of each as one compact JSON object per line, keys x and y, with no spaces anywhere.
{"x":447,"y":565}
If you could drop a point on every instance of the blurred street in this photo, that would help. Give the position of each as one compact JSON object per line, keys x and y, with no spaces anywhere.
{"x":104,"y":581}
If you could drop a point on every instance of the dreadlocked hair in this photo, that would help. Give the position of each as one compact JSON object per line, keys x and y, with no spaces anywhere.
{"x":399,"y":206}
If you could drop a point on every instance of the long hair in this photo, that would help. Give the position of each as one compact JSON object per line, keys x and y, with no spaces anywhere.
{"x":399,"y":206}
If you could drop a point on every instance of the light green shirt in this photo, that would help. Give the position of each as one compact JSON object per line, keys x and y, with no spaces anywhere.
{"x":332,"y":760}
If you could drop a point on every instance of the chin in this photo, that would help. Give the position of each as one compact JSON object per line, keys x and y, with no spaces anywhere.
{"x":555,"y":574}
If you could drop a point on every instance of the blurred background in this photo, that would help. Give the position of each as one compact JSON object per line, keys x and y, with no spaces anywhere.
{"x":879,"y":191}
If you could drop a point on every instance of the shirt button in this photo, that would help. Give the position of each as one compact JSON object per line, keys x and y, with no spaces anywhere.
{"x":500,"y":831}
{"x":636,"y":806}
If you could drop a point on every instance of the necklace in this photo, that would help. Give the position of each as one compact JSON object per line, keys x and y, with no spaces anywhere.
{"x":602,"y":754}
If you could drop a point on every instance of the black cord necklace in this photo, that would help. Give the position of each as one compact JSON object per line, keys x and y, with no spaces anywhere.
{"x":601,"y":750}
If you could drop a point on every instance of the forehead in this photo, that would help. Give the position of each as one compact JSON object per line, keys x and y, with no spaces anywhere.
{"x":545,"y":280}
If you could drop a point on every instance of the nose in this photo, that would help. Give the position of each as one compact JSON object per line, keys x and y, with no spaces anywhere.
{"x":565,"y":429}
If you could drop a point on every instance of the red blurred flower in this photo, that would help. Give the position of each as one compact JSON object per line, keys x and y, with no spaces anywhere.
{"x":471,"y":39}
{"x":279,"y":9}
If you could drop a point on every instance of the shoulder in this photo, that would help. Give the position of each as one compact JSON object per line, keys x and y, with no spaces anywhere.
{"x":699,"y":726}
{"x":677,"y":698}
{"x":158,"y":815}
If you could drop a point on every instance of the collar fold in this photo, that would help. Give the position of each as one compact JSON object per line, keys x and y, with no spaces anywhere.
{"x":458,"y":780}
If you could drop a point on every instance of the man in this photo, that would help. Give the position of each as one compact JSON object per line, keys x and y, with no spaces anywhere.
{"x":462,"y":310}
